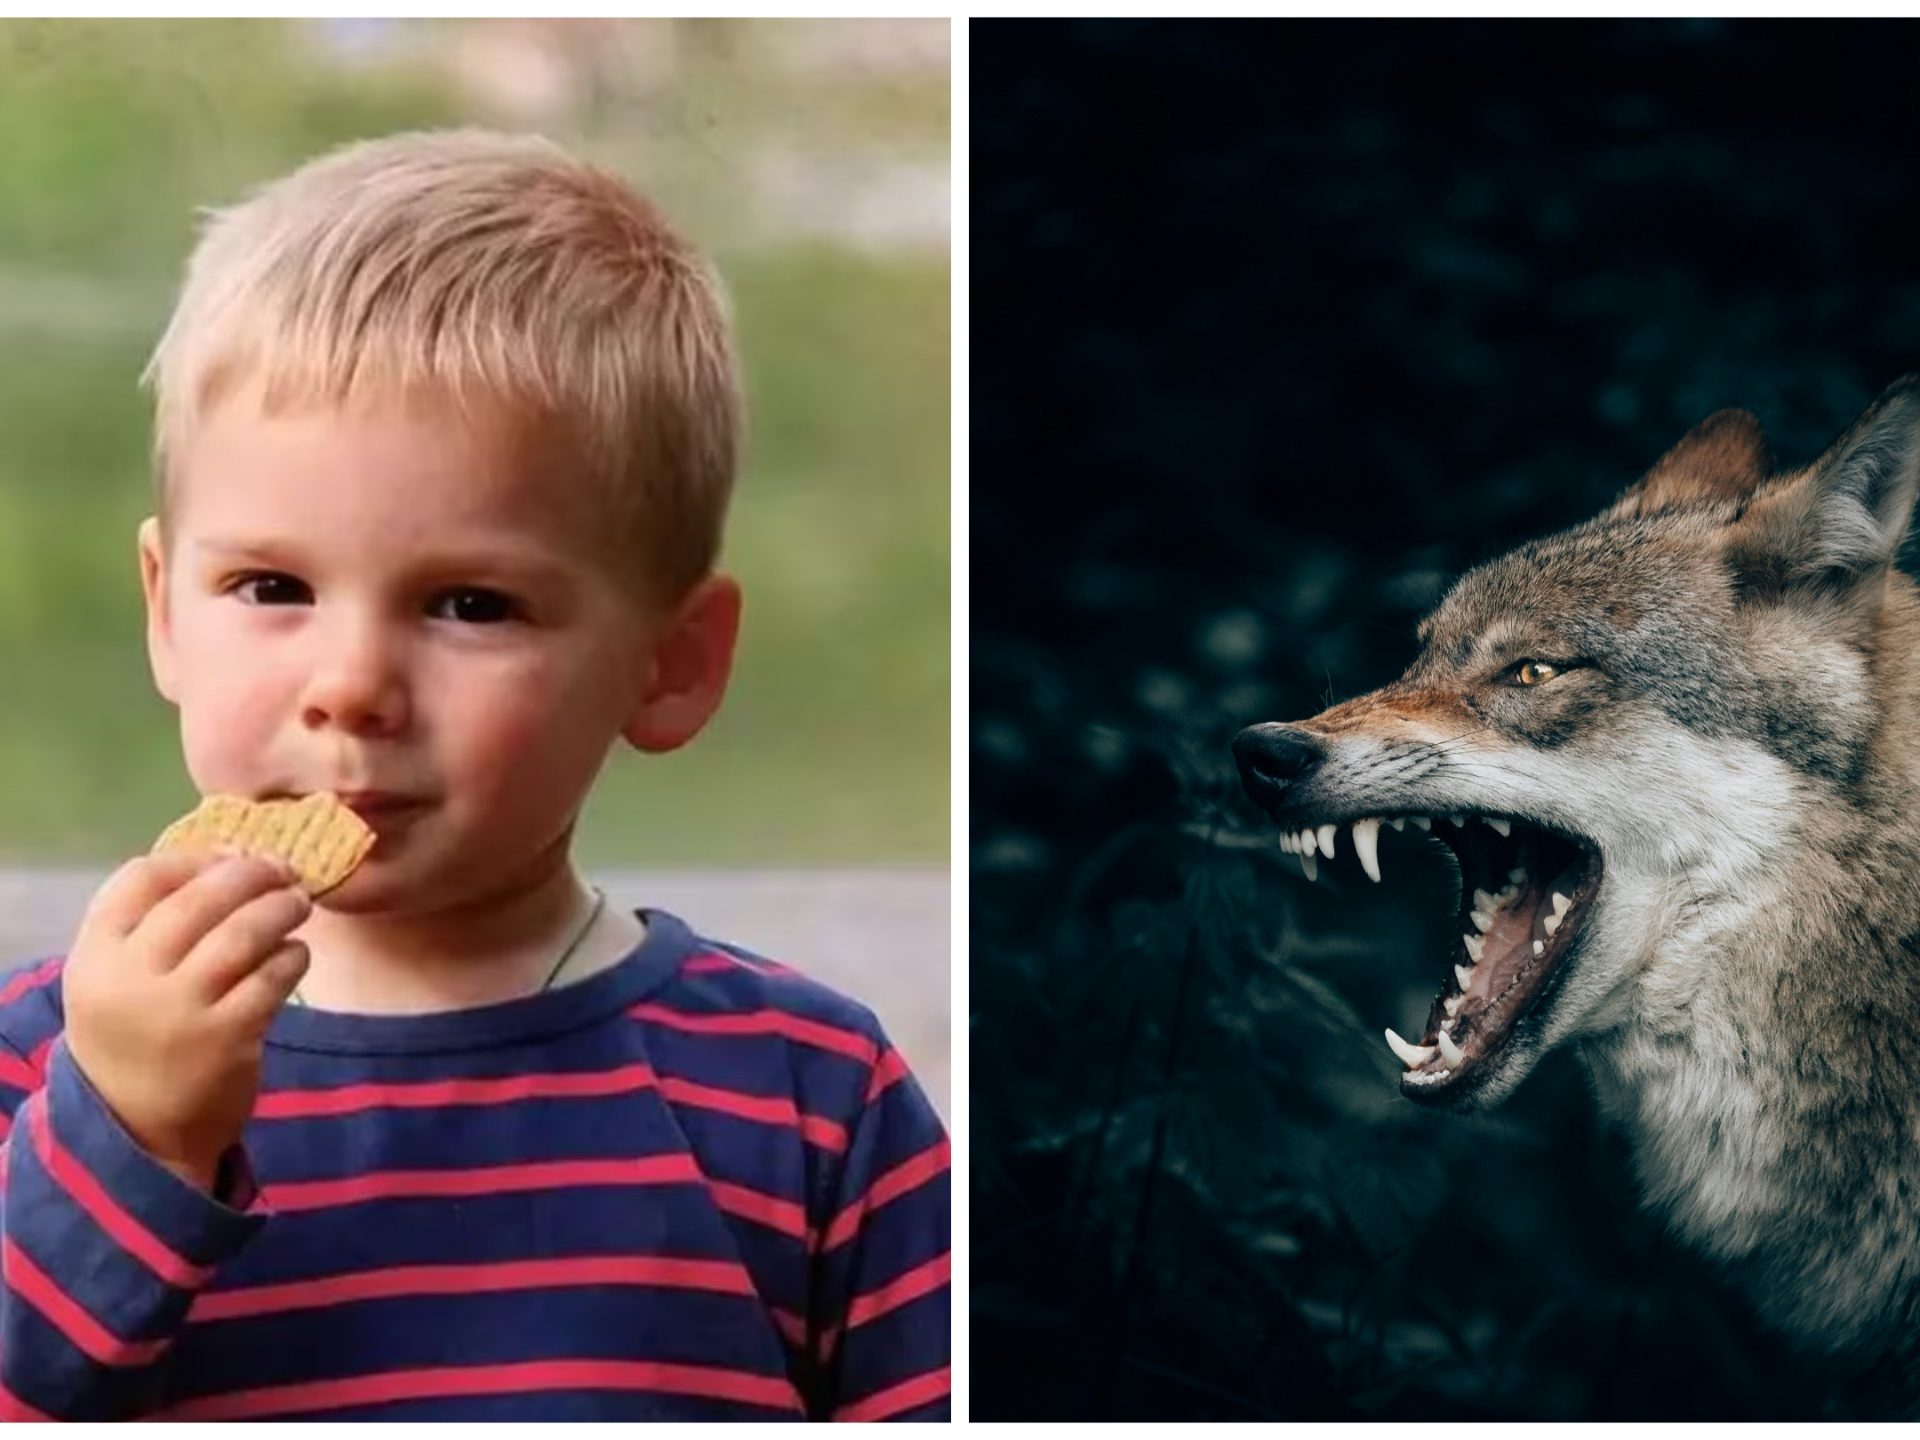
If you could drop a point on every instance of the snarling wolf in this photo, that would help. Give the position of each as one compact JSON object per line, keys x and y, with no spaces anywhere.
{"x":1675,"y":751}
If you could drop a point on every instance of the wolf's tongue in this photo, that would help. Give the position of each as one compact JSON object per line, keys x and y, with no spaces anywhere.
{"x":1505,"y":946}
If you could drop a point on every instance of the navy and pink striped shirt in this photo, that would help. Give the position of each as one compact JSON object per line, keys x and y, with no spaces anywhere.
{"x":694,"y":1185}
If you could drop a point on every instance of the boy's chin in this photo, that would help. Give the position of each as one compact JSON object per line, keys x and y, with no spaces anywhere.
{"x":393,"y":887}
{"x":370,"y":890}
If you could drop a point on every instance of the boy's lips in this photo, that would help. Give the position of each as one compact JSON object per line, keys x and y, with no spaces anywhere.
{"x":367,"y":804}
{"x":373,"y":805}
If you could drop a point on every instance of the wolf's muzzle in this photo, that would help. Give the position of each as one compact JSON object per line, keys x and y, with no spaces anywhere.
{"x":1272,"y":758}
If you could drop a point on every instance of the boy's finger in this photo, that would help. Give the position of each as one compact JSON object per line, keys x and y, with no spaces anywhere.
{"x":241,"y":942}
{"x":185,"y":918}
{"x":258,"y":995}
{"x":119,"y":905}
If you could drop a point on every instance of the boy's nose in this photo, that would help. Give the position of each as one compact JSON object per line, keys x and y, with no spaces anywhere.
{"x":356,"y":684}
{"x":1272,"y":758}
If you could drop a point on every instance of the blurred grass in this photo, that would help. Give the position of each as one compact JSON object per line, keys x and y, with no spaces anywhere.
{"x":832,"y":747}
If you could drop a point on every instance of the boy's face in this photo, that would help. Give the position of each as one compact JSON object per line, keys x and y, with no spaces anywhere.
{"x":413,"y":608}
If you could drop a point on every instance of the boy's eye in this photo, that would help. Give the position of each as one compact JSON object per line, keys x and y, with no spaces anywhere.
{"x":270,"y":589}
{"x":475,"y":607}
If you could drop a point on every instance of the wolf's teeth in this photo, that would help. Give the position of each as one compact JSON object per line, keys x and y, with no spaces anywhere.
{"x":1551,"y":923}
{"x":1561,"y":904}
{"x":1452,"y":1004}
{"x":1482,"y":921}
{"x":1309,"y":864}
{"x":1474,"y":946}
{"x":1286,"y":841}
{"x":1464,"y":976}
{"x":1539,"y":947}
{"x":1503,"y":826}
{"x":1399,"y":822}
{"x":1410,"y":1055}
{"x":1518,"y":875}
{"x":1449,"y":1051}
{"x":1326,"y":841}
{"x":1459,"y":822}
{"x":1508,"y":894}
{"x":1422,"y":821}
{"x":1306,"y":842}
{"x":1484,"y":901}
{"x":1366,"y":845}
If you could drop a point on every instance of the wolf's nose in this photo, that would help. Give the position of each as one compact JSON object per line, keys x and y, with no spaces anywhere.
{"x":1272,"y":757}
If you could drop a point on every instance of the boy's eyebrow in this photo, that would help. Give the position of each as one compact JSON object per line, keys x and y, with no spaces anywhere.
{"x":287,"y":553}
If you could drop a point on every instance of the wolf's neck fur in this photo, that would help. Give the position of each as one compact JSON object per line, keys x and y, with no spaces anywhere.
{"x":1772,"y":1096}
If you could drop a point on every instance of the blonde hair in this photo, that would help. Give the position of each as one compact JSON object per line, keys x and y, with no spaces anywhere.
{"x":475,"y":264}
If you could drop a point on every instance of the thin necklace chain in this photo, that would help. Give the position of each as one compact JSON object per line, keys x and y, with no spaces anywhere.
{"x":593,"y":914}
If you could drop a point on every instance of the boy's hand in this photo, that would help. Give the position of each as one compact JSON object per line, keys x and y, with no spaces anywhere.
{"x":179,"y":965}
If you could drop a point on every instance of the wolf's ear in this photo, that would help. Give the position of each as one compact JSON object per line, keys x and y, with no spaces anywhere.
{"x":1838,"y":525}
{"x":1724,"y":457}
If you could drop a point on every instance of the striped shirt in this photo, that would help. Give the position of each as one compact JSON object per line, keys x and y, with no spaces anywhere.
{"x":695,"y":1185}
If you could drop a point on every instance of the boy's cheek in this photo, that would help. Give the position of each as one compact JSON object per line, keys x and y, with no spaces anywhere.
{"x":226,"y":734}
{"x":533,"y":753}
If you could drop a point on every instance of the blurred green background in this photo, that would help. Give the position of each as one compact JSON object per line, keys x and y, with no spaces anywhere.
{"x":809,"y":158}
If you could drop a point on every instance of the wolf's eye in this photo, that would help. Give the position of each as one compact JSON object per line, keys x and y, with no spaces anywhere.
{"x":1535,"y":672}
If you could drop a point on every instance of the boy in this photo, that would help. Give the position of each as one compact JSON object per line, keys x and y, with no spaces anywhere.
{"x":445,"y":430}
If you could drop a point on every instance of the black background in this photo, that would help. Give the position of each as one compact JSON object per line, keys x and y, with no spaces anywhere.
{"x":1277,"y":327}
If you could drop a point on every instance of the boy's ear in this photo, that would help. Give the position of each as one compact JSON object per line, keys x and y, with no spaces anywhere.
{"x":1724,"y":457}
{"x":1835,"y":529}
{"x":153,"y":585}
{"x":688,"y":670}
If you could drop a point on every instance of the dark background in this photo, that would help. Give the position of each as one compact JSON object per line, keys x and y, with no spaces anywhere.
{"x":1276,"y":329}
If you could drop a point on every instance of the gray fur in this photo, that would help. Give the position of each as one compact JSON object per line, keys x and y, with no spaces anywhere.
{"x":1742,"y":742}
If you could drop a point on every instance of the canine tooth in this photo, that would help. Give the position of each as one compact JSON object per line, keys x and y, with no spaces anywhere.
{"x":1398,"y":822}
{"x":1410,"y":1055}
{"x":1452,"y":1004}
{"x":1482,"y":921}
{"x":1366,"y":844}
{"x":1551,"y":923}
{"x":1326,"y":841}
{"x":1422,"y":821}
{"x":1474,"y":946}
{"x":1309,"y":864}
{"x":1449,"y":1051}
{"x":1539,"y":947}
{"x":1484,"y":901}
{"x":1561,"y":904}
{"x":1503,"y":826}
{"x":1464,"y":976}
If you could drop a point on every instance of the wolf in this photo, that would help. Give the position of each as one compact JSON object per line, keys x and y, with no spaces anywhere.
{"x":1675,"y":751}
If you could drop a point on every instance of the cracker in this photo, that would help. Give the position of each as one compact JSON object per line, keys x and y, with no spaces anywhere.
{"x":318,"y":835}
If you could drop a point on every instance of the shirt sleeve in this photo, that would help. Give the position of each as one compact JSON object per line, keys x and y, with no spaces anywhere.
{"x":102,"y":1249}
{"x":885,"y":1259}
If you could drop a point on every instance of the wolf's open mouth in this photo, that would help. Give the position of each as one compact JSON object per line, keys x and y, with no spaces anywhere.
{"x":1524,"y":891}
